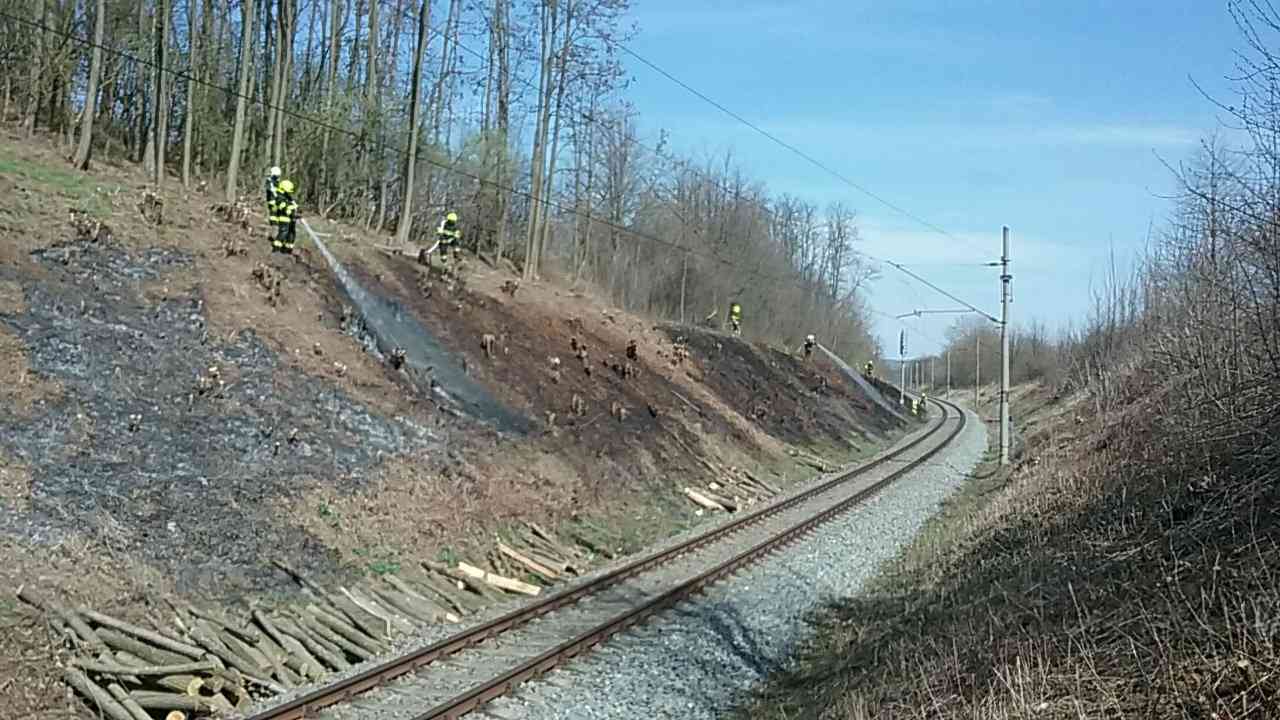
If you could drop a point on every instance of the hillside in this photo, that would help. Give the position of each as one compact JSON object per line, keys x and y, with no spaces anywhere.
{"x":180,"y":409}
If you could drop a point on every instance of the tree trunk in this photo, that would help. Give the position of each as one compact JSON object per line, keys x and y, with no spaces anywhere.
{"x":563,"y":72}
{"x":162,"y":88}
{"x":91,"y":92}
{"x":285,"y":62}
{"x":502,"y":33}
{"x":246,"y":70}
{"x":371,"y":128}
{"x":337,"y":10}
{"x":148,"y":131}
{"x":188,"y":121}
{"x":272,"y":55}
{"x":34,"y":96}
{"x":436,"y":102}
{"x":406,"y":209}
{"x":538,"y":168}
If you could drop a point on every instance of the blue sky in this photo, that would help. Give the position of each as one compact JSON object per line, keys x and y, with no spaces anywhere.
{"x":1049,"y":117}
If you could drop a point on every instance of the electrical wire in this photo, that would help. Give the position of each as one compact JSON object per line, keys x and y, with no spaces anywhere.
{"x":385,"y":145}
{"x":792,"y":148}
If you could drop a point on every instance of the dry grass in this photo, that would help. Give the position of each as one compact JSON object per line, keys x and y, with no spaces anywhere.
{"x":1094,"y":579}
{"x":415,"y":509}
{"x":20,"y":389}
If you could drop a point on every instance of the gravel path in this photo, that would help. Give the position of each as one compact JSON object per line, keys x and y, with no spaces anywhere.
{"x":697,"y":660}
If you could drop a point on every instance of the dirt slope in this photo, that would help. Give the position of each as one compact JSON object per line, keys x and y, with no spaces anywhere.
{"x":178,"y":407}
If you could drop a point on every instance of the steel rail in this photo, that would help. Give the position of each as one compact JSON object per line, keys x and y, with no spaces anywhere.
{"x":310,"y":703}
{"x":503,"y":684}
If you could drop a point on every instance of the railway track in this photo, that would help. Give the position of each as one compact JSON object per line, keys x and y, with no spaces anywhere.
{"x":459,"y":674}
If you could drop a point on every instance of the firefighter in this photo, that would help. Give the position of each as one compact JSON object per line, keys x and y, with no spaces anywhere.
{"x":284,"y":214}
{"x":448,"y":235}
{"x":809,"y":342}
{"x":272,"y":188}
{"x":273,"y":183}
{"x":735,"y":317}
{"x":868,"y":370}
{"x":915,"y":406}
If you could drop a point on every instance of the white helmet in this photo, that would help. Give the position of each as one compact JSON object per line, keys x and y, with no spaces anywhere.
{"x":274,"y":171}
{"x":810,"y":338}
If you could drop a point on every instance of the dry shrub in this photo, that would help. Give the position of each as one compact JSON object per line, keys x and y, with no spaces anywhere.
{"x":1133,"y":569}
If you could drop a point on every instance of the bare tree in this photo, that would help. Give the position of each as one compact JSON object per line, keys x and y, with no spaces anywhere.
{"x":245,"y":73}
{"x":84,"y":149}
{"x":406,"y":209}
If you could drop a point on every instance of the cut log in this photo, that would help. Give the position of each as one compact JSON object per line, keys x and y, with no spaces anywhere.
{"x":296,"y":655}
{"x":536,"y":541}
{"x":204,"y":633}
{"x":244,"y":650}
{"x":552,"y":540}
{"x":703,"y":500}
{"x":342,"y":627}
{"x":87,"y":637}
{"x":443,"y":589}
{"x":727,"y":503}
{"x":279,"y":658}
{"x":352,"y":614}
{"x":333,"y":657}
{"x":118,"y":669}
{"x":325,"y":628}
{"x":373,"y":606}
{"x":99,"y":698}
{"x":155,"y":700}
{"x":498,"y":581}
{"x":185,"y":684}
{"x":153,"y":655}
{"x":127,"y":702}
{"x":528,"y":563}
{"x":477,"y":586}
{"x":152,"y":637}
{"x":427,"y":602}
{"x":761,"y":482}
{"x":245,"y":633}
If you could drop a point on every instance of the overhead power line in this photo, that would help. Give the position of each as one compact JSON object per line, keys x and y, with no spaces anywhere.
{"x":797,"y":151}
{"x":186,"y":75}
{"x":385,"y":145}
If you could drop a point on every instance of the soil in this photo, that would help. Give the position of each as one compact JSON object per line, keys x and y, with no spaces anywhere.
{"x":181,"y":407}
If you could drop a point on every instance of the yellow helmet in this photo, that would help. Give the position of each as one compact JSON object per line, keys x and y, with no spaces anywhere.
{"x":452,"y":217}
{"x":286,"y":186}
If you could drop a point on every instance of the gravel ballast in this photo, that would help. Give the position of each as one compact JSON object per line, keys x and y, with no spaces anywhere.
{"x":698,"y":660}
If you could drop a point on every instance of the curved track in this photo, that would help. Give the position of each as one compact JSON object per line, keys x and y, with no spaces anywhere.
{"x":490,"y":659}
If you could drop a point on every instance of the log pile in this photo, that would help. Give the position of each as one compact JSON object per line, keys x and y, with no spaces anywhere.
{"x":190,"y":661}
{"x":736,"y":489}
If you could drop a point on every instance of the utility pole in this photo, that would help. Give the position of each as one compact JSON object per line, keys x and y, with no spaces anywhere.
{"x":948,"y":371}
{"x":902,"y":367}
{"x":932,"y":378}
{"x":1005,"y":297}
{"x":977,"y":369}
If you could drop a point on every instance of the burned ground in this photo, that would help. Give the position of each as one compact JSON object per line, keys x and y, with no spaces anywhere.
{"x":177,"y":434}
{"x":802,"y":402}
